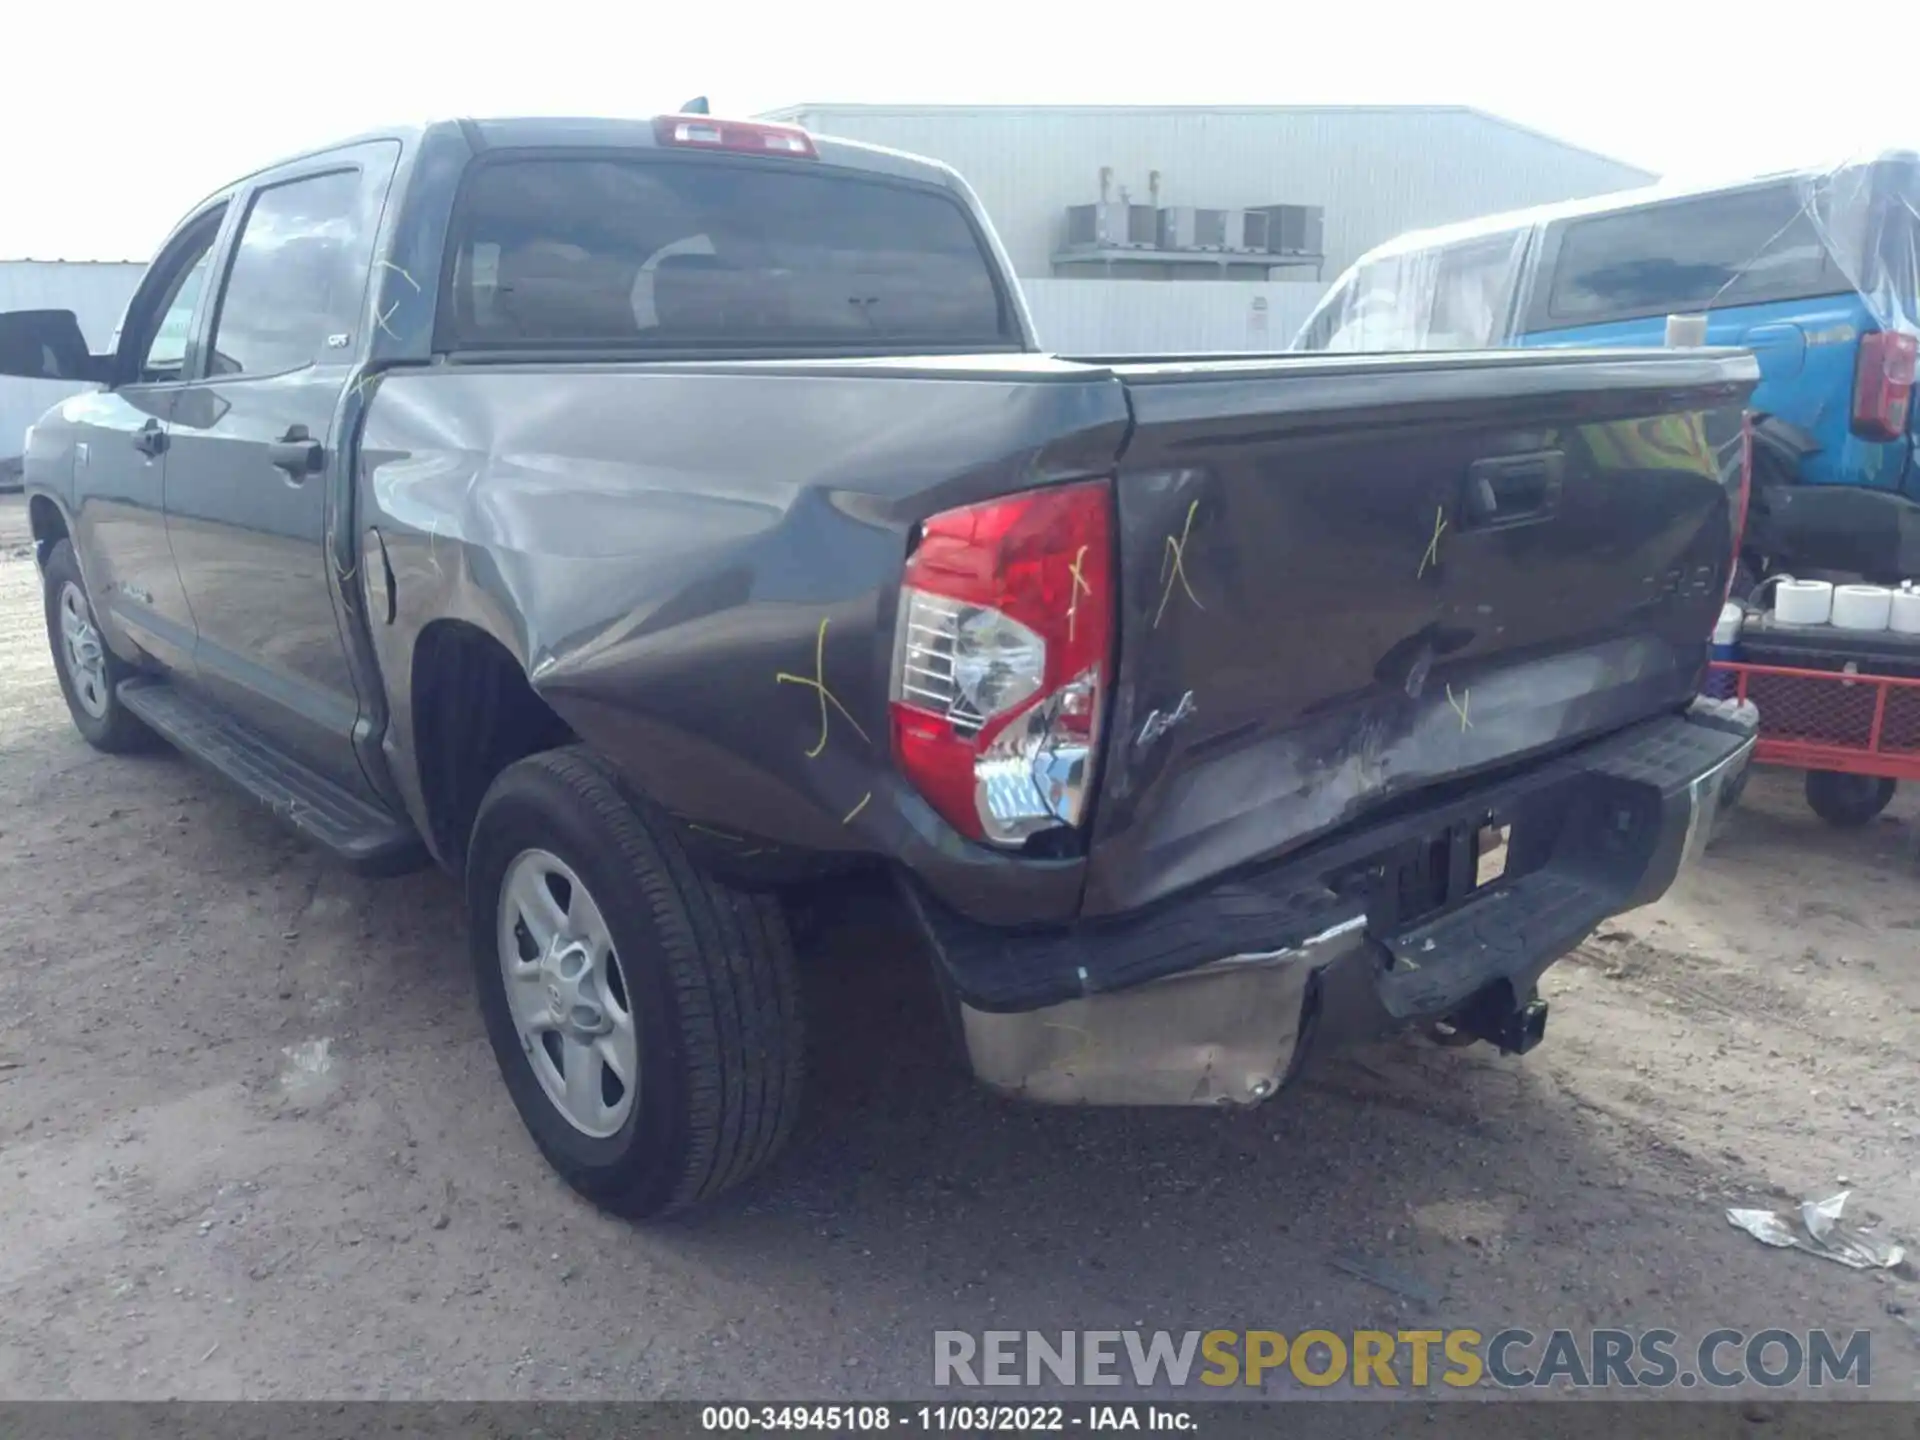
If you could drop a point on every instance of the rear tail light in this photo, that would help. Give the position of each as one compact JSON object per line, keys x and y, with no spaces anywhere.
{"x":1883,"y":385}
{"x":1002,"y":659}
{"x":703,"y":132}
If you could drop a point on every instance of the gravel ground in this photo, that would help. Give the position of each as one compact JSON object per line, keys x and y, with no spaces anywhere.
{"x":252,"y":1143}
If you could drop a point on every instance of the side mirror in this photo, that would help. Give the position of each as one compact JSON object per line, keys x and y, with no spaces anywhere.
{"x":47,"y":345}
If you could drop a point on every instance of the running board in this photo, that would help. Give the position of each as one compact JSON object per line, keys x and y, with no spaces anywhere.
{"x":370,"y":840}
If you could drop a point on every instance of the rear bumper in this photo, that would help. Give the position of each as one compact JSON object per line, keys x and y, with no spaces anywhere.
{"x":1218,"y":996}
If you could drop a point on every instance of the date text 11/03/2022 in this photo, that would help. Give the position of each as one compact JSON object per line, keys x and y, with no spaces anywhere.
{"x":964,"y":1419}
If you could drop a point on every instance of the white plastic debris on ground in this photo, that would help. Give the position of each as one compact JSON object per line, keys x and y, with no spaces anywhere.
{"x":1826,"y":1234}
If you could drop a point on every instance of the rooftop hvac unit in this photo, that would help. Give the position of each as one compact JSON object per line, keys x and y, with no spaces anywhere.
{"x":1296,"y":230}
{"x":1112,"y":225}
{"x":1182,"y":227}
{"x":1143,"y":226}
{"x":1247,"y":231}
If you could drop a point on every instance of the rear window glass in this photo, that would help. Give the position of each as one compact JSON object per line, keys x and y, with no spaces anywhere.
{"x":1453,"y":297}
{"x":677,"y":254}
{"x":1740,"y":248}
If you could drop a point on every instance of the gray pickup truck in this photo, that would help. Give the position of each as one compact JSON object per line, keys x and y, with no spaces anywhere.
{"x":650,"y":522}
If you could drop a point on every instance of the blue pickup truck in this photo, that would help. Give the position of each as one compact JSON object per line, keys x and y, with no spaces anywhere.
{"x":1817,"y":272}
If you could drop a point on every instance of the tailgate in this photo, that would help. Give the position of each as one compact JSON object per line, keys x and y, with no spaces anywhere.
{"x":1347,"y":580}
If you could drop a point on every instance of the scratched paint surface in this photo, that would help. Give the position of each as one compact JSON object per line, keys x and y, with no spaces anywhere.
{"x":1350,"y":629}
{"x":711,"y":605}
{"x":817,"y":683}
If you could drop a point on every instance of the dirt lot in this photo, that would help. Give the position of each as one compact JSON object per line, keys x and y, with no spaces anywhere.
{"x":252,"y":1143}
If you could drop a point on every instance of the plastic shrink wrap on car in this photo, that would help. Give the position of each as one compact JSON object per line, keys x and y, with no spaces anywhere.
{"x":1462,"y":286}
{"x":1867,"y":213}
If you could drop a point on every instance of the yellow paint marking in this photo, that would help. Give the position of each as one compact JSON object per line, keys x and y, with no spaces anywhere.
{"x":389,"y":265}
{"x":818,"y":684}
{"x":1173,"y":568}
{"x":381,"y":317}
{"x":1084,"y":1046}
{"x":1080,"y":587}
{"x":1432,"y":557}
{"x":864,"y":800}
{"x":1460,"y":706}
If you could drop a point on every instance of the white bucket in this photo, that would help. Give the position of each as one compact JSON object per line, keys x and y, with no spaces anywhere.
{"x":1726,"y":632}
{"x":1802,"y":602}
{"x":1905,"y":616}
{"x":1862,"y":607}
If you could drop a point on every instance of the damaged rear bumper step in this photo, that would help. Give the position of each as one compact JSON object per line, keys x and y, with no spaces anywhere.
{"x":1218,"y":997}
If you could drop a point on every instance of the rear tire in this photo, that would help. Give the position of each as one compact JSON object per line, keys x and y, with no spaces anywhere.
{"x":701,"y":976}
{"x":90,"y":673}
{"x":1848,"y":802}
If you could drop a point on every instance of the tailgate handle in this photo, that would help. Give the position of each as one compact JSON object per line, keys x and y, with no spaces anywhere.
{"x":1510,"y":489}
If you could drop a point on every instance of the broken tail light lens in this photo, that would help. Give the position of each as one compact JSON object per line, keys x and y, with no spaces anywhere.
{"x":1002,"y":658}
{"x":1883,"y":385}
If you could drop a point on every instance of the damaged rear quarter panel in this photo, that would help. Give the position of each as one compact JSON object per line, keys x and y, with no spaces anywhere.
{"x":697,"y":566}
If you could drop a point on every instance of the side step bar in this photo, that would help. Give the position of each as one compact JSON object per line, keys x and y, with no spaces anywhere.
{"x":370,"y":840}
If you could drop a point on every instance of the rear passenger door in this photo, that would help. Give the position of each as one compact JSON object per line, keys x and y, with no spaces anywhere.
{"x":254,"y":466}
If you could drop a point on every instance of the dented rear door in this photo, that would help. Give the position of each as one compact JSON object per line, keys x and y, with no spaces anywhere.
{"x":1343,"y":582}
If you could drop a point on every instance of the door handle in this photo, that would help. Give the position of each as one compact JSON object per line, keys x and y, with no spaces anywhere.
{"x":150,"y":439}
{"x":297,"y":453}
{"x":1512,"y":489}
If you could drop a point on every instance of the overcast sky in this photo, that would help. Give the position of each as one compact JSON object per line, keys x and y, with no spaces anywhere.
{"x":113,"y":122}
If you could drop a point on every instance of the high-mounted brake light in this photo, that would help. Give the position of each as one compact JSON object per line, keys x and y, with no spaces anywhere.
{"x":703,"y":132}
{"x":1002,"y":658}
{"x":1883,"y":385}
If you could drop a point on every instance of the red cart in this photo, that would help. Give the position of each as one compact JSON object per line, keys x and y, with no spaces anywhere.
{"x":1857,"y":736}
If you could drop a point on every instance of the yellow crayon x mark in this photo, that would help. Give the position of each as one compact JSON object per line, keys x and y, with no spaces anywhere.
{"x":818,"y":684}
{"x":1173,"y":568}
{"x":389,"y":265}
{"x":1080,"y":587}
{"x":1460,"y":705}
{"x":381,"y":317}
{"x":1432,"y":557}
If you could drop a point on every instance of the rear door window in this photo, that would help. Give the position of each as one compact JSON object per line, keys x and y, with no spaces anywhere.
{"x":667,"y":253}
{"x":1742,"y":247}
{"x":298,"y":277}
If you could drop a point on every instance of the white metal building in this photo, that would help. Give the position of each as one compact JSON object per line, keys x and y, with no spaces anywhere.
{"x":1373,"y":171}
{"x":96,"y":291}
